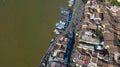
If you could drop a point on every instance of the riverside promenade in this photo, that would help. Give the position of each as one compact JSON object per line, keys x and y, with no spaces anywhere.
{"x":78,"y":10}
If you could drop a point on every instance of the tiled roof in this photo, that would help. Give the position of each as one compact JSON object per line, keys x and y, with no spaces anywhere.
{"x":91,"y":26}
{"x":108,"y":36}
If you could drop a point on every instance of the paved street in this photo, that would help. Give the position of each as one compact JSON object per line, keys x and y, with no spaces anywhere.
{"x":78,"y":11}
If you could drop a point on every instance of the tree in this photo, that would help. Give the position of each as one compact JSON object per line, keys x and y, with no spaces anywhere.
{"x":115,"y":2}
{"x":102,"y":0}
{"x":85,"y":1}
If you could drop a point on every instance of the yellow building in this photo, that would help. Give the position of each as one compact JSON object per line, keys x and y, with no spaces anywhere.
{"x":98,"y":10}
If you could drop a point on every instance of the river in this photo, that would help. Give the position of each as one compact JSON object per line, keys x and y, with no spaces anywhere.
{"x":25,"y":30}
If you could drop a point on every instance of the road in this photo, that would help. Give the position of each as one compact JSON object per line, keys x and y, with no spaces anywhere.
{"x":78,"y":11}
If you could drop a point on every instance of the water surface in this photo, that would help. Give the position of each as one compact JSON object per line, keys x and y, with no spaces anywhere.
{"x":25,"y":30}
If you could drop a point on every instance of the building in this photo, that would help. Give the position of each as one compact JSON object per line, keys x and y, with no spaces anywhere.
{"x":92,"y":26}
{"x":109,"y":38}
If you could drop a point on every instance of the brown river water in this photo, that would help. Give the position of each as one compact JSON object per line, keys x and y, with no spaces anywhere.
{"x":25,"y":30}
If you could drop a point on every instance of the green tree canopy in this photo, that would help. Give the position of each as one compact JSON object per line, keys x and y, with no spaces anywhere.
{"x":114,"y":2}
{"x":85,"y":1}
